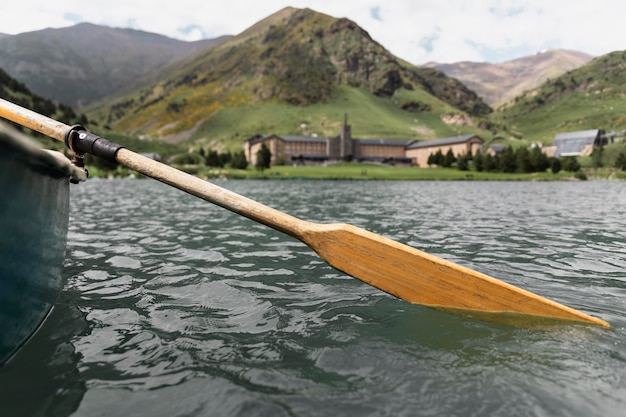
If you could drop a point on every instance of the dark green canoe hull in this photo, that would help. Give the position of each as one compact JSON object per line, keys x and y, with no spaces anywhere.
{"x":34,"y":212}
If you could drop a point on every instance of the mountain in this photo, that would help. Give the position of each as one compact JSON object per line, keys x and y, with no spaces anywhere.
{"x":500,"y":83}
{"x":589,"y":97}
{"x":84,"y":63}
{"x":16,"y":92}
{"x":297,"y":71}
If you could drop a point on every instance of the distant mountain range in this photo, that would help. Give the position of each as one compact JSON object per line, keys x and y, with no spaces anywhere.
{"x":84,"y":63}
{"x":299,"y":72}
{"x":500,"y":83}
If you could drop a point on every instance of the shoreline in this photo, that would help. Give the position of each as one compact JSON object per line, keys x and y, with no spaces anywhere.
{"x":357,"y":172}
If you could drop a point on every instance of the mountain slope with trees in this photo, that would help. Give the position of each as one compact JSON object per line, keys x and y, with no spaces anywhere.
{"x":84,"y":63}
{"x":589,"y":97}
{"x":16,"y":92}
{"x":298,"y":71}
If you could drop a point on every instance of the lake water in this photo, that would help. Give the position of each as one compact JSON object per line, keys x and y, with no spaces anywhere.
{"x":174,"y":307}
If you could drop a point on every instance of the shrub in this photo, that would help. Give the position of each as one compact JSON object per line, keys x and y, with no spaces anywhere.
{"x":193,"y":158}
{"x":580,"y":175}
{"x":570,"y":164}
{"x":620,"y":162}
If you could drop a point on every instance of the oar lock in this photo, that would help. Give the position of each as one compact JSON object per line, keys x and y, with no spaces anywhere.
{"x":80,"y":141}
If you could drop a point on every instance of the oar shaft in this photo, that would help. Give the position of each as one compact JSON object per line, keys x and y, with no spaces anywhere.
{"x":32,"y":120}
{"x":210,"y":192}
{"x":193,"y":185}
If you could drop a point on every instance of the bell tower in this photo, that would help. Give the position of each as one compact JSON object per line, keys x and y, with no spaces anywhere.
{"x":346,"y":143}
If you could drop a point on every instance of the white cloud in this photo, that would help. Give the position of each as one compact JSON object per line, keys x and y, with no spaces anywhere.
{"x":417,"y":31}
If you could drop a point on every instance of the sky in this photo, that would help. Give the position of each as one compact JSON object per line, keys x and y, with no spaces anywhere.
{"x":418,"y":31}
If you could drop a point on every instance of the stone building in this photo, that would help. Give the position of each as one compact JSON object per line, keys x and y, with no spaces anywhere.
{"x":460,"y":145}
{"x":318,"y":150}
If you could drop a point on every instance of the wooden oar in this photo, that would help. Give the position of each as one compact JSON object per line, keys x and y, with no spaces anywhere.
{"x":397,"y":269}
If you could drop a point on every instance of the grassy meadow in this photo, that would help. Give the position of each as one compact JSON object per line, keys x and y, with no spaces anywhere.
{"x":227,"y":127}
{"x":367,"y":171}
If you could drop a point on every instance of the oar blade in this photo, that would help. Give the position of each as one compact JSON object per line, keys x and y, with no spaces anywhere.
{"x":421,"y":278}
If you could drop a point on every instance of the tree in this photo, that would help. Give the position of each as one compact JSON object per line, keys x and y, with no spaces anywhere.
{"x":213,"y":159}
{"x":489,"y":163}
{"x":620,"y":162}
{"x":463,"y":163}
{"x":436,"y":158}
{"x":239,"y":161}
{"x":507,"y":160}
{"x":555,"y":166}
{"x":263,"y":158}
{"x":478,"y":161}
{"x":448,"y":159}
{"x":225,"y":158}
{"x":192,"y":158}
{"x":538,"y":159}
{"x":522,"y":160}
{"x":596,"y":157}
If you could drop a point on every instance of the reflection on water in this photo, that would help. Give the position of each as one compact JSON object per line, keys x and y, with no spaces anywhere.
{"x":190,"y":310}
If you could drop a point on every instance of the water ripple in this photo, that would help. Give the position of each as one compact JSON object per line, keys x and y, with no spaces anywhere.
{"x":220,"y":316}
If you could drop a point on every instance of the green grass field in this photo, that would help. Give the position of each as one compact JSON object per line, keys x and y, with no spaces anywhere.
{"x":361,"y":171}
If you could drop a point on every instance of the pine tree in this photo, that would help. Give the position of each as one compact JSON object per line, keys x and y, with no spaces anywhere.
{"x":538,"y":160}
{"x":449,"y":159}
{"x":439,"y":159}
{"x":490,"y":164}
{"x":463,"y":163}
{"x":478,"y":161}
{"x":507,"y":160}
{"x":263,"y":158}
{"x":213,"y":159}
{"x":239,"y":161}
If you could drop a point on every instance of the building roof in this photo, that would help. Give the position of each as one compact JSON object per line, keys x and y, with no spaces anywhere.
{"x":593,"y":133}
{"x":302,"y":139}
{"x":573,"y":143}
{"x":384,"y":142}
{"x":442,"y":142}
{"x":260,"y":138}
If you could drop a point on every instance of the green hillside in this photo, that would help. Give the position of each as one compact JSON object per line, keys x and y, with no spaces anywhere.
{"x":590,"y":97}
{"x":296,"y":72}
{"x":370,"y":116}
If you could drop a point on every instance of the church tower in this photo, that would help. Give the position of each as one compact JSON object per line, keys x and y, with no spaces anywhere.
{"x":346,"y":143}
